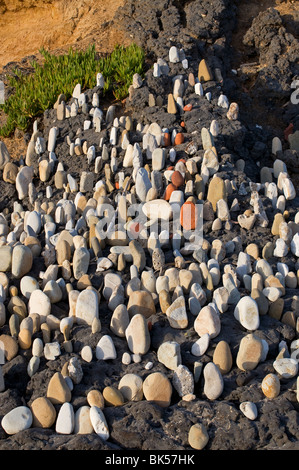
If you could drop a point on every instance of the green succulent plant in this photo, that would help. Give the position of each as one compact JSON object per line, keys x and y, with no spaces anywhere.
{"x":36,"y":92}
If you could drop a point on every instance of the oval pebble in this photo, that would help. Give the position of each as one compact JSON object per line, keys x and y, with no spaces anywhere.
{"x":271,"y":386}
{"x":249,"y":410}
{"x":286,"y":367}
{"x":247,"y":313}
{"x":213,"y":381}
{"x":16,"y":420}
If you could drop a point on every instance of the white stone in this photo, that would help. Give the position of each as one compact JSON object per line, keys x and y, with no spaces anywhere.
{"x":39,"y":303}
{"x":286,"y":367}
{"x":295,"y":245}
{"x":99,"y":422}
{"x":213,"y":381}
{"x":17,"y":420}
{"x":174,"y":56}
{"x":157,"y":209}
{"x":201,"y":345}
{"x":87,"y":306}
{"x":169,"y":354}
{"x":249,"y":410}
{"x":272,"y":293}
{"x":27,"y":285}
{"x":65,"y":421}
{"x":86,"y":353}
{"x":105,"y":348}
{"x":247,"y":313}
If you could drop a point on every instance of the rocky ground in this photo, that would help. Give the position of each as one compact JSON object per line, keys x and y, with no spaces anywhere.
{"x":253,"y":58}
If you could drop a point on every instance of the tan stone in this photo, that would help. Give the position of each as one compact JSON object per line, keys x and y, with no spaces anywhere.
{"x":252,"y":250}
{"x":10,"y":346}
{"x":250,"y":352}
{"x":171,"y":104}
{"x":222,"y":357}
{"x":25,"y":338}
{"x":272,"y":281}
{"x":58,"y":391}
{"x":158,"y":389}
{"x":164,"y":300}
{"x":43,"y":412}
{"x":95,"y":398}
{"x":271,"y":386}
{"x":278,"y":218}
{"x":113,"y":396}
{"x":141,"y":302}
{"x":198,"y":436}
{"x":216,"y":191}
{"x":63,"y":251}
{"x":204,"y":73}
{"x":10,"y":172}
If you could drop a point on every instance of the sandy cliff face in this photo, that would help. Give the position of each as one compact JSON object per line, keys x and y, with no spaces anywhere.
{"x":28,"y":25}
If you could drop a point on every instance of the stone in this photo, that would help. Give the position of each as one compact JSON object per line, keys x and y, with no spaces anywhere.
{"x":198,"y":436}
{"x":171,"y":104}
{"x":5,"y":258}
{"x":249,"y":410}
{"x":207,"y":321}
{"x":131,"y":387}
{"x":17,"y":420}
{"x":138,"y":254}
{"x":141,"y":302}
{"x":53,"y":291}
{"x":120,"y":320}
{"x":216,"y":191}
{"x":249,"y":353}
{"x":95,"y":398}
{"x":82,"y":421}
{"x":137,"y":335}
{"x":9,"y":346}
{"x":65,"y":421}
{"x":204,"y":73}
{"x":188,"y":216}
{"x":81,"y":261}
{"x":43,"y":413}
{"x":286,"y":368}
{"x":39,"y":303}
{"x":157,"y":389}
{"x":157,"y":209}
{"x":261,"y":300}
{"x":105,"y":349}
{"x":213,"y":381}
{"x":87,"y":306}
{"x":23,"y":179}
{"x":182,"y":381}
{"x":22,"y":260}
{"x":142,"y":184}
{"x":58,"y":391}
{"x":112,"y":396}
{"x":27,"y":285}
{"x":169,"y":354}
{"x":247,"y":313}
{"x":4,"y":155}
{"x":201,"y":345}
{"x":177,"y":314}
{"x":99,"y":422}
{"x":222,"y":357}
{"x":271,"y":386}
{"x":10,"y":172}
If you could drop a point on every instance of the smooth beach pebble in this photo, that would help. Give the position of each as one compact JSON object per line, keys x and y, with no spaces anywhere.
{"x":271,"y":386}
{"x":198,"y":436}
{"x":17,"y":420}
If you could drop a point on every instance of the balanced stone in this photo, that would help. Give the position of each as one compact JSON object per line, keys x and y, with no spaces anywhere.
{"x":43,"y":413}
{"x":141,"y":302}
{"x":177,"y":314}
{"x":137,"y":335}
{"x":216,"y":191}
{"x":81,"y":260}
{"x":87,"y":306}
{"x":213,"y":381}
{"x":65,"y":421}
{"x":169,"y":354}
{"x":158,"y":389}
{"x":201,"y":345}
{"x":249,"y":353}
{"x":120,"y":320}
{"x":183,"y":380}
{"x":131,"y":387}
{"x":39,"y":303}
{"x":105,"y":349}
{"x":222,"y":357}
{"x":22,"y":260}
{"x":5,"y":258}
{"x":58,"y":392}
{"x":247,"y":313}
{"x":207,"y":321}
{"x":82,"y":421}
